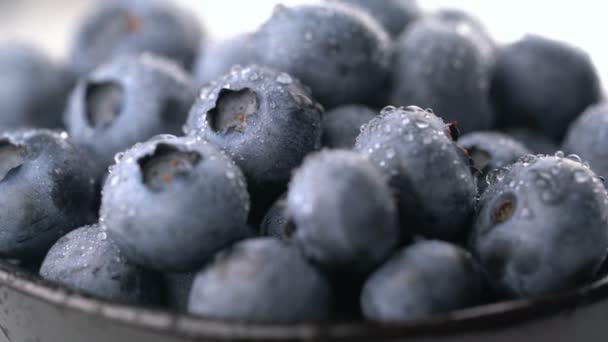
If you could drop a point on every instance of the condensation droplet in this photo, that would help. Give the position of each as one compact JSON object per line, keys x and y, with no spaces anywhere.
{"x":422,"y":124}
{"x":284,"y":78}
{"x":114,"y":181}
{"x":575,"y":158}
{"x":118,"y":157}
{"x":581,"y":176}
{"x":526,"y":213}
{"x":388,"y":110}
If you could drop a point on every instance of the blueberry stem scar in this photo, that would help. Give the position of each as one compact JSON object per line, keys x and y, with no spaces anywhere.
{"x":165,"y":165}
{"x":11,"y":157}
{"x":232,"y":109}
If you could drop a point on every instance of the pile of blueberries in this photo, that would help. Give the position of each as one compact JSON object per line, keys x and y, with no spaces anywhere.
{"x":264,"y":178}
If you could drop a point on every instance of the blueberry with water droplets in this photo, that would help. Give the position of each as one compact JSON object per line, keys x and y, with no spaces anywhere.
{"x":535,"y":141}
{"x":265,"y":120}
{"x":261,"y":280}
{"x":276,"y":222}
{"x":543,"y":84}
{"x":178,"y":287}
{"x":429,"y":173}
{"x":394,"y":15}
{"x":587,"y":137}
{"x":427,"y":278}
{"x":446,"y":70}
{"x":343,"y":212}
{"x":171,"y":203}
{"x":116,"y":28}
{"x":47,"y":189}
{"x":34,"y":91}
{"x":542,"y":226}
{"x":342,"y":125}
{"x":491,"y":150}
{"x":216,"y":58}
{"x":128,"y":101}
{"x":87,"y":260}
{"x":339,"y":51}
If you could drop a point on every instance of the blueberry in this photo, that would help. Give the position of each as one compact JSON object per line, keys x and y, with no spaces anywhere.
{"x":339,"y":51}
{"x":178,"y":290}
{"x":276,"y":222}
{"x":445,"y":69}
{"x":471,"y":25}
{"x":86,"y":260}
{"x":428,"y":172}
{"x":490,"y":151}
{"x":127,"y":101}
{"x":171,"y":203}
{"x":216,"y":58}
{"x":535,"y":141}
{"x":342,"y":125}
{"x":262,"y":280}
{"x":542,"y":226}
{"x":116,"y":28}
{"x":394,"y":15}
{"x":543,"y":84}
{"x":343,"y":212}
{"x":587,"y":137}
{"x":265,"y":120}
{"x":46,"y":190}
{"x":424,"y":279}
{"x":35,"y":89}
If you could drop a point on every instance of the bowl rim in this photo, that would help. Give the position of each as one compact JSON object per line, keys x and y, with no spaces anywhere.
{"x":164,"y":322}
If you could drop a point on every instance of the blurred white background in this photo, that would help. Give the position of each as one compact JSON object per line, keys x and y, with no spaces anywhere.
{"x":49,"y":23}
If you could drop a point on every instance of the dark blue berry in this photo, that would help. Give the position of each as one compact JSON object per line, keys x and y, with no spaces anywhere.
{"x":339,"y":51}
{"x":171,"y":203}
{"x":429,"y":173}
{"x":116,"y":28}
{"x":34,"y":89}
{"x":543,"y":84}
{"x":446,"y":69}
{"x":261,"y":280}
{"x":87,"y":260}
{"x":394,"y":15}
{"x":542,"y":226}
{"x":216,"y":58}
{"x":343,"y":211}
{"x":47,"y":189}
{"x":265,"y":120}
{"x":427,"y":278}
{"x":587,"y":137}
{"x":128,"y":101}
{"x":276,"y":222}
{"x":535,"y":141}
{"x":342,"y":125}
{"x":491,"y":150}
{"x":470,"y":25}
